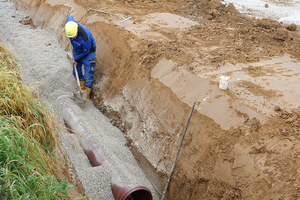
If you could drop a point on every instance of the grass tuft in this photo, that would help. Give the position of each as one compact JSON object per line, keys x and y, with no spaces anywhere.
{"x":28,"y":140}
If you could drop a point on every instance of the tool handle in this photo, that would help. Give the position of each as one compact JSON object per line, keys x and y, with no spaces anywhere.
{"x":103,"y":11}
{"x":76,"y":74}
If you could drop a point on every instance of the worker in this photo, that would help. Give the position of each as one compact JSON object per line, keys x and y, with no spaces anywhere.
{"x":84,"y":51}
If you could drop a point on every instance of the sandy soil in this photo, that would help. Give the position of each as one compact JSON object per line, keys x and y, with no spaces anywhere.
{"x":258,"y":160}
{"x":251,"y":153}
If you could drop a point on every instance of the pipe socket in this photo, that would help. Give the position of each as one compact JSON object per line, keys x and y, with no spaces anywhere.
{"x":122,"y":190}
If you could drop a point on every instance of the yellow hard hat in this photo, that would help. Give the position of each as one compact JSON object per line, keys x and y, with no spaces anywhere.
{"x":71,"y":29}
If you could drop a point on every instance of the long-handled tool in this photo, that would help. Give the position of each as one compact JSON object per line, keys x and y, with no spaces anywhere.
{"x":81,"y":95}
{"x":178,"y":150}
{"x":124,"y":19}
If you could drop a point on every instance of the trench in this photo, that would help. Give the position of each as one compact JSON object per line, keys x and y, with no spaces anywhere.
{"x":145,"y":99}
{"x":142,"y":125}
{"x":106,"y":166}
{"x":112,"y":52}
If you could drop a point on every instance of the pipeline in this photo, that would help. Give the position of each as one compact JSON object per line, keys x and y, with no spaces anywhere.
{"x":128,"y":192}
{"x":124,"y":185}
{"x":73,"y":125}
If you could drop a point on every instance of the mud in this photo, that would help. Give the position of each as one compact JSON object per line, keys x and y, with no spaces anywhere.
{"x":242,"y":143}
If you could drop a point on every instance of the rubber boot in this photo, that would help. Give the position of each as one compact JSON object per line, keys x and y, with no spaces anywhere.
{"x":88,"y":94}
{"x":82,"y":86}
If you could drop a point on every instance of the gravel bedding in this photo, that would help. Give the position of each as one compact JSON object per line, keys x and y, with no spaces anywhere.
{"x":45,"y":65}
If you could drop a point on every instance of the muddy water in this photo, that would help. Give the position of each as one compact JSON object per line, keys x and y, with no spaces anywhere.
{"x":281,"y":10}
{"x":257,"y":88}
{"x":211,"y":102}
{"x":278,"y":79}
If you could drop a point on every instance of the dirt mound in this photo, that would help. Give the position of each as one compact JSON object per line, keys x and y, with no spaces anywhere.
{"x":228,"y":36}
{"x":257,"y":161}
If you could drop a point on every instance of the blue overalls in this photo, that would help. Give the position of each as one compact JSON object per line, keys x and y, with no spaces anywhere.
{"x":84,"y":50}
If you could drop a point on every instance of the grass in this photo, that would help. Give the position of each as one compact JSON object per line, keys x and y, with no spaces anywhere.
{"x":28,"y":139}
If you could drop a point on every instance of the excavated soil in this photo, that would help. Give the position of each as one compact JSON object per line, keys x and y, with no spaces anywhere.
{"x":243,"y":142}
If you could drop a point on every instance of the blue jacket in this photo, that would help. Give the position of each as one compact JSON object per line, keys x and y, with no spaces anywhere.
{"x":84,"y":43}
